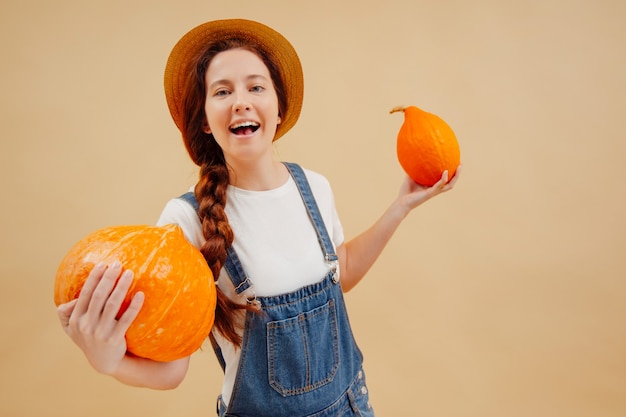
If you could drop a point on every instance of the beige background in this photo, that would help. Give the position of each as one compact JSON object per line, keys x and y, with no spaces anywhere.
{"x":505,"y":297}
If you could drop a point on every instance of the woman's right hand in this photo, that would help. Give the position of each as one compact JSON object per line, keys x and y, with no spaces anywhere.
{"x":90,"y":320}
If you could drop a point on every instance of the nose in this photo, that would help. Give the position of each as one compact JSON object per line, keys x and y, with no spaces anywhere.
{"x":241,"y":104}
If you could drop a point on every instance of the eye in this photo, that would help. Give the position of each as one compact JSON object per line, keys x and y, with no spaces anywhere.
{"x":257,"y":89}
{"x":221,"y":92}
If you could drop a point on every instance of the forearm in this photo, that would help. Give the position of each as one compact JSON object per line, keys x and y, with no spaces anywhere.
{"x":140,"y":372}
{"x":359,"y":254}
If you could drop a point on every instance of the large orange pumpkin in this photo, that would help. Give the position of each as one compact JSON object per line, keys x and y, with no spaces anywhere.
{"x":179,"y":305}
{"x":426,"y":146}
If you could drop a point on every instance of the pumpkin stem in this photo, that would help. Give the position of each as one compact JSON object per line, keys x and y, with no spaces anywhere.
{"x":397,"y":109}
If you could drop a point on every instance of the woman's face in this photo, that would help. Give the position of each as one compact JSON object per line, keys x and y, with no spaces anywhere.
{"x":241,"y":105}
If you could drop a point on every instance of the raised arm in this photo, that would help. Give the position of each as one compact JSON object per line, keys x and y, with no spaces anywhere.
{"x":358,"y":255}
{"x":90,"y":322}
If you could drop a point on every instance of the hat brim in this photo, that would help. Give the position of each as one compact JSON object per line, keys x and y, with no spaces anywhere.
{"x":276,"y":46}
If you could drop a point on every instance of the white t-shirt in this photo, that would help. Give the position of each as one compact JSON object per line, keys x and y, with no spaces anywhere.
{"x":274,"y":239}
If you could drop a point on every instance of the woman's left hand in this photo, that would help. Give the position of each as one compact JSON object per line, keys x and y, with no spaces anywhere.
{"x":413,"y":194}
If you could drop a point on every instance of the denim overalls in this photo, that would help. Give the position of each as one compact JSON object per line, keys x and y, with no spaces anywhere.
{"x":298,"y":355}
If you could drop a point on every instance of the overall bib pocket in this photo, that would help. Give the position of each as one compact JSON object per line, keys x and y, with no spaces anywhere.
{"x":303,"y":351}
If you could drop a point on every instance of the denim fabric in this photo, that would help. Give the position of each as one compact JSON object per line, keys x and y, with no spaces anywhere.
{"x":298,"y":355}
{"x":355,"y":402}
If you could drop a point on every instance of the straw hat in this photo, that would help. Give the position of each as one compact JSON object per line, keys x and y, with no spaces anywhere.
{"x":191,"y":46}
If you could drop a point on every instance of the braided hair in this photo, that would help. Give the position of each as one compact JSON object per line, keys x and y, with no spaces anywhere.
{"x":214,"y":175}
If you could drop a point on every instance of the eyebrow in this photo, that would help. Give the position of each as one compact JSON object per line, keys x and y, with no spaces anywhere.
{"x":250,"y":77}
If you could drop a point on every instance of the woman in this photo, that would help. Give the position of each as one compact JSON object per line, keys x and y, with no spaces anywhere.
{"x":268,"y":230}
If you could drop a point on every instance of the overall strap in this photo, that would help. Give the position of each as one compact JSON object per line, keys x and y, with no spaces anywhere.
{"x":190,"y":197}
{"x":313,"y":211}
{"x":237,"y":275}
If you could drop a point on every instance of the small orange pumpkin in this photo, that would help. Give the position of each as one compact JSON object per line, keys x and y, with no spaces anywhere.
{"x":180,"y":296}
{"x":426,"y":146}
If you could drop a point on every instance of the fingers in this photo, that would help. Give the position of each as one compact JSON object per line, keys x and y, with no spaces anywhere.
{"x":88,"y":287}
{"x":129,"y":315}
{"x":455,"y":178}
{"x":101,"y":293}
{"x":65,"y":312}
{"x":116,"y":295}
{"x":443,"y":185}
{"x":440,"y":185}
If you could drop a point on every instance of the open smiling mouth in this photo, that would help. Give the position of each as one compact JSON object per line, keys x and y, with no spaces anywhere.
{"x":244,"y":128}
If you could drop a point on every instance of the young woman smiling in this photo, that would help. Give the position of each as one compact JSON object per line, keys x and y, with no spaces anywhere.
{"x":269,"y":231}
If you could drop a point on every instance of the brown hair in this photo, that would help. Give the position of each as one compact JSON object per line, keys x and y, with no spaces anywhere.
{"x":210,"y":191}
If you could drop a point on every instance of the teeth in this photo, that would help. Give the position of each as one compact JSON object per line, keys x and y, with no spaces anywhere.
{"x":244,"y":124}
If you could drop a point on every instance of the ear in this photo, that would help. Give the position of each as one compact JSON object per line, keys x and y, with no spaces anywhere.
{"x":279,"y":120}
{"x":205,"y":127}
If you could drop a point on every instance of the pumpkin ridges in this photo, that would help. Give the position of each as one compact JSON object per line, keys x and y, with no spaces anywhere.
{"x":165,"y":310}
{"x":426,"y":146}
{"x":433,"y":175}
{"x":447,"y":154}
{"x":174,"y":335}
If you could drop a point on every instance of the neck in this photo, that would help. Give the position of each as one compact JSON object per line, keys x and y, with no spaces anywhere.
{"x":258,"y":176}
